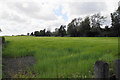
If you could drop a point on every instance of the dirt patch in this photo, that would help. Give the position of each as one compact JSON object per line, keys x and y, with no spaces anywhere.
{"x":12,"y":66}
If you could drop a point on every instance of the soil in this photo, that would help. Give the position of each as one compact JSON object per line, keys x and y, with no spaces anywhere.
{"x":12,"y":66}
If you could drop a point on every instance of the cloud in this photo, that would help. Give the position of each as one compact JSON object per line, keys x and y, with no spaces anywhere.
{"x":11,"y":17}
{"x":34,"y":10}
{"x":23,"y":16}
{"x":79,"y":8}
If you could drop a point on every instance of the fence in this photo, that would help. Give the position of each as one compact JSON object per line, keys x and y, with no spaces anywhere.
{"x":101,"y":70}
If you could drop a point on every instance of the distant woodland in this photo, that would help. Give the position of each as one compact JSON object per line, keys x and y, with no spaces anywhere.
{"x":87,"y":27}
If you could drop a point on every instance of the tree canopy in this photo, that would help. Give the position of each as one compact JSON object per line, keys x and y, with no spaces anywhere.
{"x":89,"y":26}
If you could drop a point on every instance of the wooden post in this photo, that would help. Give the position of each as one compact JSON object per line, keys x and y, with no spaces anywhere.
{"x":101,"y":70}
{"x":117,"y":68}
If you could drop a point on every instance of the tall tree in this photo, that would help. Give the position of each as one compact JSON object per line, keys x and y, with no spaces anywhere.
{"x":28,"y":34}
{"x":48,"y":33}
{"x":84,"y":27}
{"x":115,"y":17}
{"x":32,"y":34}
{"x":42,"y":33}
{"x":36,"y":33}
{"x":62,"y":31}
{"x":56,"y":33}
{"x":73,"y":27}
{"x":96,"y":22}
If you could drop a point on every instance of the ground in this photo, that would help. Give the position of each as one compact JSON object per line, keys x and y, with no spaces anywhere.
{"x":13,"y":66}
{"x":66,"y":57}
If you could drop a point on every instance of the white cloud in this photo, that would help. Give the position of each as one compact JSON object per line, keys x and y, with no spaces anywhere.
{"x":22,"y":16}
{"x":78,"y":8}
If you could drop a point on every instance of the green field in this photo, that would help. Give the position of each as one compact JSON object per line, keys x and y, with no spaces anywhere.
{"x":63,"y":56}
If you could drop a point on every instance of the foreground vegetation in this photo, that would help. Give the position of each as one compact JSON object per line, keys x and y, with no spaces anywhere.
{"x":63,"y":56}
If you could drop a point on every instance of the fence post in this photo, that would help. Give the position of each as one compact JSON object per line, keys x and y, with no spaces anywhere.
{"x":117,"y":68}
{"x":101,"y":70}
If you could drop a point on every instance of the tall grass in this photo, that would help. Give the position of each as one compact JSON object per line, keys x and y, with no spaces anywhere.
{"x":63,"y":56}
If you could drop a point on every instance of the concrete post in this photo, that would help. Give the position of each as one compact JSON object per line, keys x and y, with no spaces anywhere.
{"x":117,"y":68}
{"x":101,"y":70}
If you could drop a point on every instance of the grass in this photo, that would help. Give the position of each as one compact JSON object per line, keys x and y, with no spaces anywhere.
{"x":64,"y":57}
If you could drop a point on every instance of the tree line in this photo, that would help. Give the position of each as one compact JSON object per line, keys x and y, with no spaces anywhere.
{"x":87,"y":27}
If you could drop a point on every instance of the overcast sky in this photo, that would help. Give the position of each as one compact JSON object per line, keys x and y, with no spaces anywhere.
{"x":23,"y":16}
